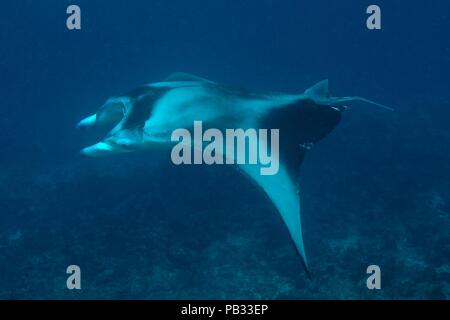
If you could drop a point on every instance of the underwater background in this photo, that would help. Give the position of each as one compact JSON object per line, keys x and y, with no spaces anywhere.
{"x":375,"y":191}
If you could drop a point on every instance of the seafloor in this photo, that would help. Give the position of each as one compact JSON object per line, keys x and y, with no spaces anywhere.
{"x":376,"y":191}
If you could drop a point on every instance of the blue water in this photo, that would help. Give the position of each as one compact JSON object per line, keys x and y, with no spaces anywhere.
{"x":375,"y":191}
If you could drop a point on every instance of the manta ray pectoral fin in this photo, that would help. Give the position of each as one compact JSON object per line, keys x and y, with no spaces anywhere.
{"x":301,"y":123}
{"x":283,"y":193}
{"x":320,"y":94}
{"x":282,"y":190}
{"x":182,"y":76}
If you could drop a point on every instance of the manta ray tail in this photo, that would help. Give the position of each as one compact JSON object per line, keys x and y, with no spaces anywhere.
{"x":319,"y":93}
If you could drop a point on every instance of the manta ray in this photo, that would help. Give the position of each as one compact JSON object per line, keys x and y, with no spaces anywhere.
{"x":145,"y":118}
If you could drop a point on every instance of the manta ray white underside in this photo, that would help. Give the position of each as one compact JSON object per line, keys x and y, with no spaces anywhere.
{"x":145,"y":118}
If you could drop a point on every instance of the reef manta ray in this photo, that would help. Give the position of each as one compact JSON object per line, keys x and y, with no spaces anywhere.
{"x":146,"y":117}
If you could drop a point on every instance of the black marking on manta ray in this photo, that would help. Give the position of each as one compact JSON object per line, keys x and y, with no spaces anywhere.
{"x":299,"y":123}
{"x":144,"y":100}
